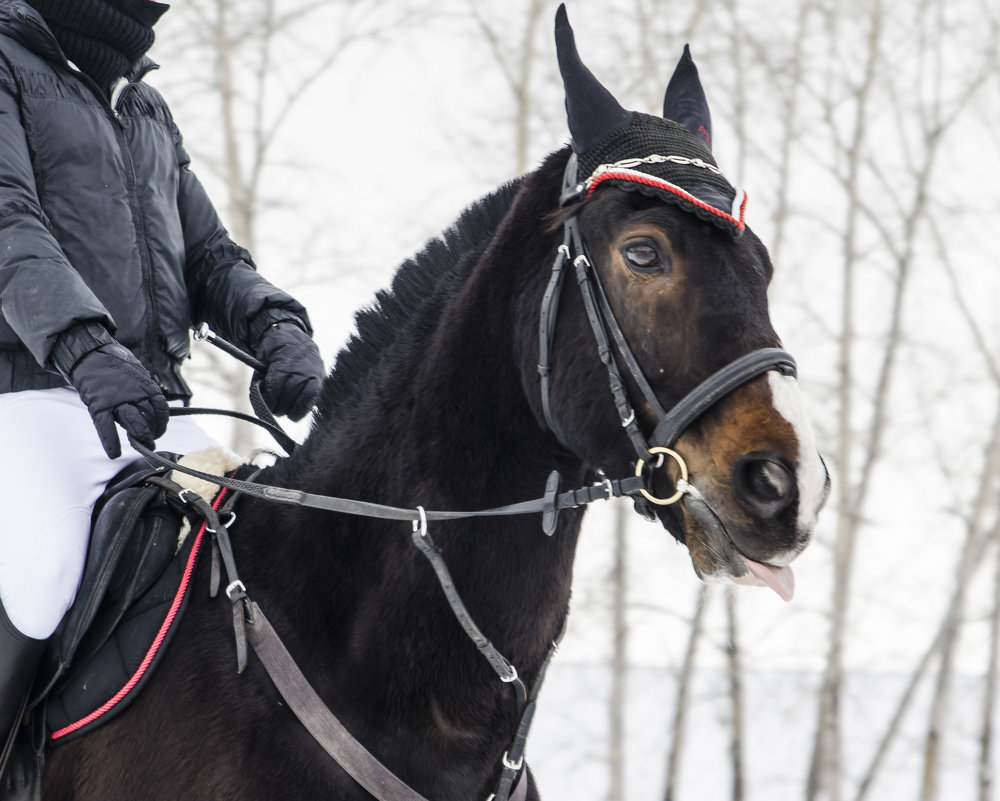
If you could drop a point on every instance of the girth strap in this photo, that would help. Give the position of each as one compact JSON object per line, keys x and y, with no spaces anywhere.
{"x":513,"y":761}
{"x":222,"y":547}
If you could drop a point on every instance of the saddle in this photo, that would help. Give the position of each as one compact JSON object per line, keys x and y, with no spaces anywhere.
{"x":133,"y":542}
{"x":131,"y":599}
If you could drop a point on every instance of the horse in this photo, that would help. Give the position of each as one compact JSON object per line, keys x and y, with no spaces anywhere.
{"x":536,"y":343}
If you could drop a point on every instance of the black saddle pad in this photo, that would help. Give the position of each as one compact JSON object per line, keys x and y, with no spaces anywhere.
{"x":131,"y":599}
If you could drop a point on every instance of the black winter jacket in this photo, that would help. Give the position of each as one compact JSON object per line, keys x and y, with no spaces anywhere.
{"x":103,"y":228}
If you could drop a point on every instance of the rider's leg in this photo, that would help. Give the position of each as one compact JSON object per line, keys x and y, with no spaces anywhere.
{"x":52,"y":471}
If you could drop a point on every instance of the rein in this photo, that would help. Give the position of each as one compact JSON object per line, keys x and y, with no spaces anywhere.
{"x":549,"y":505}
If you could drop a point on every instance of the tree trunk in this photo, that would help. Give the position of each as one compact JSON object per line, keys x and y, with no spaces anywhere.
{"x":733,"y":651}
{"x":969,"y":562}
{"x":683,"y":693}
{"x":619,"y":665}
{"x":985,"y":777}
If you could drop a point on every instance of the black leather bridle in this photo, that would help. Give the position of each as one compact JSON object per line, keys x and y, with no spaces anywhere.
{"x":669,"y":424}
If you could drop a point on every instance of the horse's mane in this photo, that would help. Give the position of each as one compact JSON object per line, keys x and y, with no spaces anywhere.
{"x":422,"y":282}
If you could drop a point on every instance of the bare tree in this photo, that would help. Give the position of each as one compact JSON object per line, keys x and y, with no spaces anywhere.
{"x":978,"y":536}
{"x":644,"y":55}
{"x":516,"y":57}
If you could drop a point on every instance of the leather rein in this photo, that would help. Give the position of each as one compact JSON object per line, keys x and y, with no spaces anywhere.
{"x":250,"y":624}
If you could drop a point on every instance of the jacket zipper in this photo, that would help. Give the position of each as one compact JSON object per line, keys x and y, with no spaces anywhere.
{"x":139,"y":219}
{"x":142,"y":237}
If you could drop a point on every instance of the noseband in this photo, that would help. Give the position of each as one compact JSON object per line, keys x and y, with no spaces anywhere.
{"x":669,"y":424}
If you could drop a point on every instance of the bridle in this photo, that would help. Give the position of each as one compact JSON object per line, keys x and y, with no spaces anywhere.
{"x":669,"y":424}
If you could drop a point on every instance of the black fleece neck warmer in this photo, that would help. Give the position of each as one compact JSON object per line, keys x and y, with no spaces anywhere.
{"x":104,"y":38}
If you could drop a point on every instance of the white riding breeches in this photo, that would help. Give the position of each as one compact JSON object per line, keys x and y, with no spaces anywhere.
{"x":52,"y":471}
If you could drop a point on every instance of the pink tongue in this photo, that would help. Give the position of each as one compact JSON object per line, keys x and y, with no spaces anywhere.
{"x":779,"y":579}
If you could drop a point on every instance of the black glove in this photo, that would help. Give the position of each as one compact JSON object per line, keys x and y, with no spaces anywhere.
{"x":115,"y":386}
{"x":293,"y":370}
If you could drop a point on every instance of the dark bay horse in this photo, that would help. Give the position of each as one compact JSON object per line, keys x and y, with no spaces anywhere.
{"x":477,"y":374}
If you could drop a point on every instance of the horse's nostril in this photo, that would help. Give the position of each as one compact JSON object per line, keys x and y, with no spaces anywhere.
{"x":764,"y":483}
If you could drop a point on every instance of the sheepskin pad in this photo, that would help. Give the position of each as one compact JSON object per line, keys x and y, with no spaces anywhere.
{"x":216,"y":461}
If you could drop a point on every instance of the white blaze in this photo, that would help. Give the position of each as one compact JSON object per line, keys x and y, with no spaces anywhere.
{"x":790,"y":404}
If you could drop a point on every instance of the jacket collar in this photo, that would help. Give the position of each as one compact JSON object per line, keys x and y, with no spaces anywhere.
{"x":22,"y":23}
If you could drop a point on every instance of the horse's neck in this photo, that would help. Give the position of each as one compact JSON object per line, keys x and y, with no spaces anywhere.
{"x":449,"y":428}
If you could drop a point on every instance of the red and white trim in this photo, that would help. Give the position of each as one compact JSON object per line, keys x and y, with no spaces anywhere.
{"x":735,"y":217}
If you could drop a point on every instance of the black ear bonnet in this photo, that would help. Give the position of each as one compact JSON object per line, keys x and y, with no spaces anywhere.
{"x":667,"y":157}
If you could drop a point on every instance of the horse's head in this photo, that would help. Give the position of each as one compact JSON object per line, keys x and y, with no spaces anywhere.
{"x":656,"y":236}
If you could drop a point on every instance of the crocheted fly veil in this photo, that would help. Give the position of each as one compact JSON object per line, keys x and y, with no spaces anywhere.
{"x":669,"y":158}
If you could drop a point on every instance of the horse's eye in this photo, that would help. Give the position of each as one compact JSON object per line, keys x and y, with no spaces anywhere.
{"x":643,"y":257}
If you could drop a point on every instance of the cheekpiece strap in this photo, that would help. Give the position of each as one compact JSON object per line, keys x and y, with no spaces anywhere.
{"x":572,"y":187}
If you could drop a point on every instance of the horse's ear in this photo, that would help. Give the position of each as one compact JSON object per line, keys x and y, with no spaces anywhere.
{"x":591,"y":110}
{"x":685,"y":102}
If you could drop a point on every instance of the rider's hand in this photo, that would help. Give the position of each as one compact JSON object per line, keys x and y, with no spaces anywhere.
{"x":293,"y":370}
{"x":116,"y":387}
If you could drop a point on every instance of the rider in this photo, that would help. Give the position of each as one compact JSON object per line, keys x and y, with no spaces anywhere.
{"x":109,"y":251}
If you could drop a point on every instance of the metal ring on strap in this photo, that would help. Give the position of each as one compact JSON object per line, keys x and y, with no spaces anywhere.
{"x":641,"y":463}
